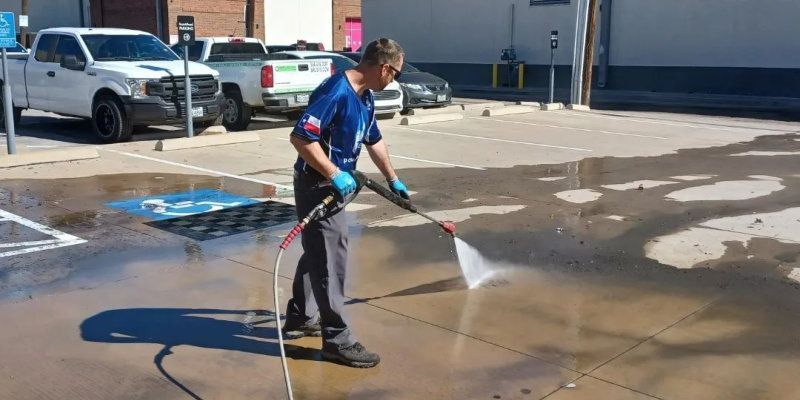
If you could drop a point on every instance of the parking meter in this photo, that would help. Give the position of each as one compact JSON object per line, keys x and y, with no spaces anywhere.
{"x":553,"y":40}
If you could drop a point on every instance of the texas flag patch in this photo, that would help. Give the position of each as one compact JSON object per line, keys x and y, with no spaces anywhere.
{"x":312,"y":124}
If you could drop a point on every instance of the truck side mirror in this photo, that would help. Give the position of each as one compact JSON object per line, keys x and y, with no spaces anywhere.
{"x":71,"y":62}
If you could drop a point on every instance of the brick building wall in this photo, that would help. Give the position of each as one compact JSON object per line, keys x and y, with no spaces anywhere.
{"x":216,"y":17}
{"x":212,"y":17}
{"x":118,"y":14}
{"x":343,"y":9}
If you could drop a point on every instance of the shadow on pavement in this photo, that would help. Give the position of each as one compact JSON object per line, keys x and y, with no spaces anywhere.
{"x":173,"y":327}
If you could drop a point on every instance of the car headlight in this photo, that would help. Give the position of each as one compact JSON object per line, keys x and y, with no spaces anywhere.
{"x":138,"y":88}
{"x":413,"y":86}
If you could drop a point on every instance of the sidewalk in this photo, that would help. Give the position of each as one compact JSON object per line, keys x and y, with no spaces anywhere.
{"x":784,"y":106}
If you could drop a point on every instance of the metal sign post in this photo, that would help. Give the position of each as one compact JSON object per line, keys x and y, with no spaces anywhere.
{"x":186,"y":37}
{"x":553,"y":47}
{"x":8,"y":39}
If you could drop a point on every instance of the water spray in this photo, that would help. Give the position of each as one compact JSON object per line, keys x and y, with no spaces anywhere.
{"x":318,"y":212}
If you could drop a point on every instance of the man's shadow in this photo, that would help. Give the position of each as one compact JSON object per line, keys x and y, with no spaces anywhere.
{"x":172,"y":327}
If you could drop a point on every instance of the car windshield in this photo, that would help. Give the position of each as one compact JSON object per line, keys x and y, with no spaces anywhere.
{"x":341,"y":63}
{"x":17,"y":49}
{"x":128,"y":48}
{"x":409,"y":68}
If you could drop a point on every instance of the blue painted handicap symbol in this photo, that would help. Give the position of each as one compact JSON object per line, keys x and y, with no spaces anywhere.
{"x":8,"y":30}
{"x":176,"y":205}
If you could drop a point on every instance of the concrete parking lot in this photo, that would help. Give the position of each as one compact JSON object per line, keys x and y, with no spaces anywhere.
{"x":636,"y":255}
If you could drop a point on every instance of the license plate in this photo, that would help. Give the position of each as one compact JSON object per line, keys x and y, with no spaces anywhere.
{"x":197,"y":111}
{"x":441,"y":98}
{"x":301,"y":98}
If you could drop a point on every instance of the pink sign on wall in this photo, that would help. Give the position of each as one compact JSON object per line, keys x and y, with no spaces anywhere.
{"x":352,"y":33}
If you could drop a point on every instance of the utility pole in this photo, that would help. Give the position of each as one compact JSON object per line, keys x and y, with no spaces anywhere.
{"x":23,"y":31}
{"x":588,"y":60}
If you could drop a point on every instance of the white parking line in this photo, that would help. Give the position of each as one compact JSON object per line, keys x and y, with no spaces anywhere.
{"x":420,"y":160}
{"x":201,"y":169}
{"x":495,"y":139}
{"x":570,"y":128}
{"x":61,"y":239}
{"x":23,"y":244}
{"x":678,"y":124}
{"x":437,"y":162}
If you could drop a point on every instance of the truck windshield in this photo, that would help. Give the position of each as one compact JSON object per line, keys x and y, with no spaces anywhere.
{"x":127,"y":48}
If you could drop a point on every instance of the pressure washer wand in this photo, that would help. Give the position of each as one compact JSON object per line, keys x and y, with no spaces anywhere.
{"x":363,"y":180}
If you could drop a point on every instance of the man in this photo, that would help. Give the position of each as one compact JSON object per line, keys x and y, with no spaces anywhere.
{"x":328,"y":138}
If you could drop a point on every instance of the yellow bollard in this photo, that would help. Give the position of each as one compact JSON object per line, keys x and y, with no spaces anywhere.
{"x":494,"y":75}
{"x":521,"y":77}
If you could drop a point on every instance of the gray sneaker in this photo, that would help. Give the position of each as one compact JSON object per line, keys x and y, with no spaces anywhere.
{"x":356,"y":356}
{"x":297,"y":331}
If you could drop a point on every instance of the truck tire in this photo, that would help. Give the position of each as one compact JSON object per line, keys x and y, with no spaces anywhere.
{"x":235,"y":114}
{"x":109,"y":120}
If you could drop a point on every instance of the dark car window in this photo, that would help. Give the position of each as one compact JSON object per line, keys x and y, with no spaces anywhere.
{"x":237,"y":48}
{"x":68,"y":46}
{"x":341,"y":63}
{"x":277,"y":49}
{"x":45,"y":48}
{"x":195,"y":51}
{"x":409,"y":68}
{"x":128,"y":48}
{"x":17,"y":49}
{"x":282,"y":56}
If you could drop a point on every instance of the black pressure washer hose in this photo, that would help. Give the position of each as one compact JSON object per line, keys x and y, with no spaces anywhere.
{"x":317,"y":213}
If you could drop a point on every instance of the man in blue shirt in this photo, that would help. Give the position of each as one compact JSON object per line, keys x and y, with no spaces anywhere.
{"x":340,"y":119}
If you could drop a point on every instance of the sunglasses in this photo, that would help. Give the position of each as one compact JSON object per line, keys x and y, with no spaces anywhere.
{"x":397,"y":73}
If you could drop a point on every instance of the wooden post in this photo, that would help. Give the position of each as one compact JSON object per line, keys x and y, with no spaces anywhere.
{"x":23,"y":31}
{"x":588,"y":60}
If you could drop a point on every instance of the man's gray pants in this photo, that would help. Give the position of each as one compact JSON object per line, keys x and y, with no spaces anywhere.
{"x":318,"y":285}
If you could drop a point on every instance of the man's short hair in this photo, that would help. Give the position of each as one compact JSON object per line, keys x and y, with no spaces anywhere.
{"x":382,"y":51}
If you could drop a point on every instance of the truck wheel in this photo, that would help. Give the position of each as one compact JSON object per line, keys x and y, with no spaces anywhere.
{"x":236,"y":115}
{"x":110,"y":122}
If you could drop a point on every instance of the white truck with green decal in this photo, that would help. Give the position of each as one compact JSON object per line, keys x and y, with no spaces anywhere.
{"x":252,"y":81}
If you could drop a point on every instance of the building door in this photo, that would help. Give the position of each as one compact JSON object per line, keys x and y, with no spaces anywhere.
{"x":352,"y":33}
{"x":140,"y":15}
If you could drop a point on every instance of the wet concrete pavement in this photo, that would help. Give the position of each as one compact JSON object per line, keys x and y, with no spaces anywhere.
{"x":633,"y":294}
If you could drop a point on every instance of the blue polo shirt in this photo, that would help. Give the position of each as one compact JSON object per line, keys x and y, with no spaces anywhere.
{"x":340,"y":121}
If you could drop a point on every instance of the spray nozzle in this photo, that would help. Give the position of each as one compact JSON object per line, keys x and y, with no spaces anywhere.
{"x":448,"y":227}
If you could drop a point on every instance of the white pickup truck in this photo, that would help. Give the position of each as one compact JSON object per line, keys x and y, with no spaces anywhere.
{"x":118,"y":78}
{"x":252,"y":81}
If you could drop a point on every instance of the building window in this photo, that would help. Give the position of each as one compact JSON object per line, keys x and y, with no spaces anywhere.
{"x":547,"y":2}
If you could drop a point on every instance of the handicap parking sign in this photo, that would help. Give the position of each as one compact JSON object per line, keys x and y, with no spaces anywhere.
{"x":161,"y":207}
{"x":8,"y":30}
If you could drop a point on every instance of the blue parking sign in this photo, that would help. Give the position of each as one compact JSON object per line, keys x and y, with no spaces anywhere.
{"x":8,"y":30}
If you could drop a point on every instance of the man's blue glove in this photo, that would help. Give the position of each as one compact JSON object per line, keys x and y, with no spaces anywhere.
{"x":399,"y":188}
{"x":343,"y":182}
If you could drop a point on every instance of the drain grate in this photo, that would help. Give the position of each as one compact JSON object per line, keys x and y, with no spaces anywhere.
{"x":230,"y":221}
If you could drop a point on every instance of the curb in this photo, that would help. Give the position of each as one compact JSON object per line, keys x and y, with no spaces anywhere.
{"x":482,"y":106}
{"x":491,"y":112}
{"x":205,"y":141}
{"x":426,"y":119}
{"x":552,"y":106}
{"x":48,"y":156}
{"x":431,"y":111}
